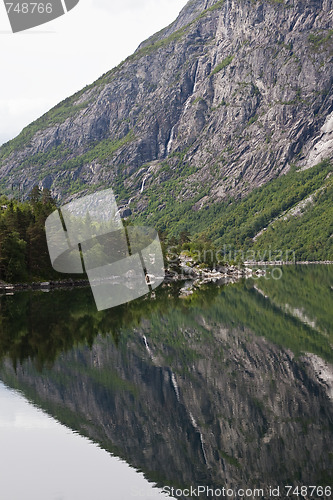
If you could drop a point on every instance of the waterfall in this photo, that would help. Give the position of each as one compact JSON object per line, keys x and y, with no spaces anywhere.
{"x":168,"y":148}
{"x":145,"y":177}
{"x":143,"y":183}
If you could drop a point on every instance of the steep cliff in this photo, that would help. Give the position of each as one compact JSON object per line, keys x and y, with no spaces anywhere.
{"x":221,"y":101}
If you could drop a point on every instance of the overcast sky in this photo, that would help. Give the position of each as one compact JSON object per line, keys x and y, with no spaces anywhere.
{"x":44,"y":65}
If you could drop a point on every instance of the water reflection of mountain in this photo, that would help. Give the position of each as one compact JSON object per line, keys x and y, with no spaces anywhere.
{"x":197,"y":393}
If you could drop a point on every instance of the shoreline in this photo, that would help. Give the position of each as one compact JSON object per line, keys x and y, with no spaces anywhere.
{"x":42,"y":285}
{"x":231,"y":272}
{"x":288,"y":263}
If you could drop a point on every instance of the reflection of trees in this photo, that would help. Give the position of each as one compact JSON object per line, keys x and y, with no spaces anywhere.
{"x":40,"y":326}
{"x":210,"y":402}
{"x":313,"y":297}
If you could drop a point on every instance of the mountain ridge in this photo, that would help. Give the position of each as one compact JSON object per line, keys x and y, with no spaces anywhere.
{"x":225,"y":99}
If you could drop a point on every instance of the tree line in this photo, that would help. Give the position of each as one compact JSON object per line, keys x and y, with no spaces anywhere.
{"x":23,"y":249}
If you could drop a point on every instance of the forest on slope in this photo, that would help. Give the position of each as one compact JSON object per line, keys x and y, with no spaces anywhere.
{"x":290,"y":218}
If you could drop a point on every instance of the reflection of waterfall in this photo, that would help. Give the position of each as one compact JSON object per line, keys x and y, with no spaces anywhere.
{"x":172,"y":133}
{"x":147,"y":346}
{"x":195,"y":425}
{"x":193,"y":422}
{"x":175,"y":385}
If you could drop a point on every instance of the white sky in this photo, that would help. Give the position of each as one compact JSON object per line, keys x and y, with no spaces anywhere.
{"x":27,"y":435}
{"x":44,"y":65}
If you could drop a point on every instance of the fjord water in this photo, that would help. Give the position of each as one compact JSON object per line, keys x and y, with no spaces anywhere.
{"x":229,"y":386}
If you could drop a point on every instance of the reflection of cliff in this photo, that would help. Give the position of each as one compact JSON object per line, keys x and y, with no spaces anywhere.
{"x":190,"y":399}
{"x":306,"y":293}
{"x":40,"y":326}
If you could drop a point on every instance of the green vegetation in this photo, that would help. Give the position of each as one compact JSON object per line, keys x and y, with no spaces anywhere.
{"x":197,"y":99}
{"x":243,"y":220}
{"x":62,"y":159}
{"x":234,"y":223}
{"x":23,"y":250}
{"x":155,"y":45}
{"x":100,"y":150}
{"x":225,"y":229}
{"x":39,"y":326}
{"x":179,"y":33}
{"x":229,"y":459}
{"x":226,"y":61}
{"x":306,"y":290}
{"x":308,"y":234}
{"x":105,"y":149}
{"x":253,"y":119}
{"x":318,"y":40}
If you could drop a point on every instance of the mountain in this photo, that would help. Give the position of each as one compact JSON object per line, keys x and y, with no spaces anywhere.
{"x":233,"y":94}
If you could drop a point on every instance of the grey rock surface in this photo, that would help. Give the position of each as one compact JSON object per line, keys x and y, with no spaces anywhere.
{"x":223,"y":100}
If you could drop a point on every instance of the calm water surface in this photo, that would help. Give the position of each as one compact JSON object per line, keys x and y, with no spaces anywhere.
{"x":225,"y":387}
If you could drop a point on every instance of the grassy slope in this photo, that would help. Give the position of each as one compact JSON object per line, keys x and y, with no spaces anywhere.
{"x":235,"y":223}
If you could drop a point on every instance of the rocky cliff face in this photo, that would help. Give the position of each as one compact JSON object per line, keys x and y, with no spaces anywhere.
{"x":221,"y":101}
